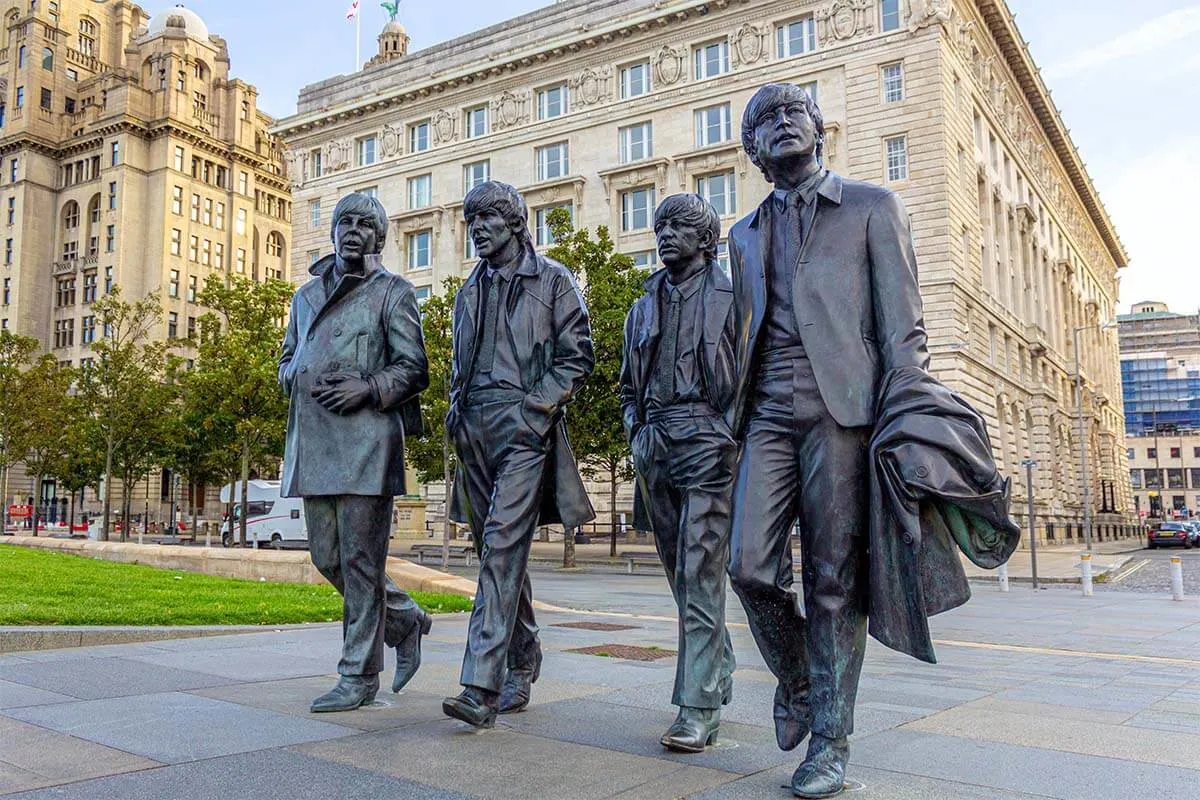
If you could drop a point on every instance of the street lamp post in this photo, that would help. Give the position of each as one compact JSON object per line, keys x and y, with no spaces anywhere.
{"x":1083,"y":461}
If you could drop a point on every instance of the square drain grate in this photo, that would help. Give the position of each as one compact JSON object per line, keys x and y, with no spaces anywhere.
{"x":626,"y":651}
{"x":595,"y":626}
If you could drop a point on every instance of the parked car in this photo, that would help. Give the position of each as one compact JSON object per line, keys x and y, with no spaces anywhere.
{"x":1167,"y":534}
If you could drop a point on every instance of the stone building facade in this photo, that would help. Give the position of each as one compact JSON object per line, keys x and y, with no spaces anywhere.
{"x":606,"y":107}
{"x":132,"y":158}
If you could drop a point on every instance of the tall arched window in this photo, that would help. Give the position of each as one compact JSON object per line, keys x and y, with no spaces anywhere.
{"x":70,"y":215}
{"x":87,"y":37}
{"x":20,"y":56}
{"x":274,"y":244}
{"x":94,"y":210}
{"x":47,"y":58}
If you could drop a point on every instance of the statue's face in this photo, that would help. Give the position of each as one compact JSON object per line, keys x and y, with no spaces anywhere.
{"x":354,"y":236}
{"x":489,"y":232}
{"x":679,"y":242}
{"x":784,"y":132}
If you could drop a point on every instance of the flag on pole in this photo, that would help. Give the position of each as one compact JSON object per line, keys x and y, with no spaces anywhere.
{"x":352,"y":12}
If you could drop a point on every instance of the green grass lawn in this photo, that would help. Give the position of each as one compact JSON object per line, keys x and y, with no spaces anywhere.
{"x":39,"y":587}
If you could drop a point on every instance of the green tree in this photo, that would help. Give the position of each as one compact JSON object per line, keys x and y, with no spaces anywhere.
{"x":16,"y":357}
{"x":610,"y":284}
{"x":45,"y":439}
{"x":237,"y":367}
{"x":122,"y":390}
{"x":430,"y":454}
{"x":80,"y":463}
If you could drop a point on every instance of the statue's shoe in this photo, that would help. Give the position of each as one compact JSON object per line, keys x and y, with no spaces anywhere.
{"x":693,"y":730}
{"x":349,"y":693}
{"x":475,"y":706}
{"x":823,"y":772}
{"x":408,"y":652}
{"x":791,"y":715}
{"x":514,"y":696}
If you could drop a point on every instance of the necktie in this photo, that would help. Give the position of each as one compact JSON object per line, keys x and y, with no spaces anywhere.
{"x":669,"y":352}
{"x":487,"y":346}
{"x":794,"y":220}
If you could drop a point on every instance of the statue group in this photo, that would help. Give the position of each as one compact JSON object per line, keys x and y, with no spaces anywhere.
{"x":791,"y":395}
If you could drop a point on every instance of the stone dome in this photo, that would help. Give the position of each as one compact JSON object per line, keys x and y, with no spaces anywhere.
{"x":178,"y":19}
{"x":394,"y":27}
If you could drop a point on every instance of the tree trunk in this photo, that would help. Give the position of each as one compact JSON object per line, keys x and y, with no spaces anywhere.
{"x":612,"y":506}
{"x":245,"y":490}
{"x":192,"y":487}
{"x":126,"y":504}
{"x":108,"y":459}
{"x":4,"y":507}
{"x":71,"y":518}
{"x":446,"y":505}
{"x":568,"y":547}
{"x":36,"y":511}
{"x":229,"y":506}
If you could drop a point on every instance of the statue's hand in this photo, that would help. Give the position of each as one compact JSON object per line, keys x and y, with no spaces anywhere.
{"x":342,"y":392}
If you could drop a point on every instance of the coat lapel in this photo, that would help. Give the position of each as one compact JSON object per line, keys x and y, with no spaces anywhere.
{"x":648,"y":335}
{"x":718,"y":297}
{"x":465,"y":337}
{"x":757,"y":273}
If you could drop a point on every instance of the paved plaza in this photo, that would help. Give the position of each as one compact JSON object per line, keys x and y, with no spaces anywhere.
{"x":1037,"y":695}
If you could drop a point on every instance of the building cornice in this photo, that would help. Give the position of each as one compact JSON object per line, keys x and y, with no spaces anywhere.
{"x":1003,"y":29}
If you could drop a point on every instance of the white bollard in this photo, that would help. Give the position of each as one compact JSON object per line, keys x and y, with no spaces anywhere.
{"x":1002,"y":575}
{"x":1176,"y":578}
{"x":140,"y":535}
{"x":207,"y":535}
{"x":1085,"y":561}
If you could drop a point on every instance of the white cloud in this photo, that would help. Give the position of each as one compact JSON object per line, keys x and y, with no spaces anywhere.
{"x":1148,"y":37}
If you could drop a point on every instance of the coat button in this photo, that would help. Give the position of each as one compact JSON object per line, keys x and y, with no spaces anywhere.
{"x":303,"y":370}
{"x":337,"y":331}
{"x":922,"y":471}
{"x":309,"y":337}
{"x":908,"y":538}
{"x":335,"y":365}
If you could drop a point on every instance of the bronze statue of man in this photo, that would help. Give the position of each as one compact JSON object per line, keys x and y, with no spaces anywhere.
{"x":352,"y":365}
{"x":522,"y":348}
{"x":825,"y":285}
{"x":677,"y":384}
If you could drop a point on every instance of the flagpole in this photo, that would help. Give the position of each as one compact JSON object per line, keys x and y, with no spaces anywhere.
{"x":357,"y":38}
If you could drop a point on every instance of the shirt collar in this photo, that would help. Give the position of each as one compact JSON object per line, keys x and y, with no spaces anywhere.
{"x":688,"y":288}
{"x":505,"y":272}
{"x":807,"y":190}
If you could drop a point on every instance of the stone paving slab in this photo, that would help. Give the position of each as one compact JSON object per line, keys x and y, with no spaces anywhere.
{"x":15,"y":695}
{"x":31,"y":757}
{"x":94,"y":678}
{"x":173,"y":727}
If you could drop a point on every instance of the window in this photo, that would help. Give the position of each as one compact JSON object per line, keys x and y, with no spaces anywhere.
{"x":89,"y":287}
{"x":1175,"y":479}
{"x":239,"y":226}
{"x":477,"y":122}
{"x":543,"y":235}
{"x":893,"y":82}
{"x":19,"y":99}
{"x":70,"y":251}
{"x":1135,"y":478}
{"x":12,"y":210}
{"x":635,"y":142}
{"x":635,"y":80}
{"x":637,"y":208}
{"x":314,"y":214}
{"x":87,"y":329}
{"x":64,"y":294}
{"x":112,"y":195}
{"x":896,"y":158}
{"x":8,"y":251}
{"x":370,"y":191}
{"x":1,"y":115}
{"x":552,"y":161}
{"x":12,"y":170}
{"x":178,"y":159}
{"x":274,"y":244}
{"x":421,"y":293}
{"x":713,"y":125}
{"x":1175,"y":452}
{"x":313,"y":257}
{"x":208,"y":205}
{"x":419,"y":188}
{"x":69,"y":105}
{"x":1195,"y":477}
{"x":475,"y":174}
{"x":193,"y":248}
{"x":469,"y":247}
{"x":889,"y":13}
{"x":218,"y":255}
{"x":172,"y":325}
{"x":365,"y":149}
{"x":64,"y":333}
{"x":72,"y":74}
{"x":191,"y":290}
{"x":87,"y":37}
{"x":47,"y":99}
{"x":173,"y":284}
{"x":243,"y":183}
{"x":552,"y":101}
{"x":239,"y":264}
{"x":177,"y":200}
{"x":418,"y":136}
{"x":719,"y":191}
{"x":418,"y":250}
{"x":7,"y":290}
{"x":1196,"y":454}
{"x":723,"y":255}
{"x":1151,"y":452}
{"x":114,"y":153}
{"x":645,"y":259}
{"x":195,"y":213}
{"x":108,"y":282}
{"x":220,"y":216}
{"x":71,"y":215}
{"x":712,"y":60}
{"x":314,"y":164}
{"x":796,"y":38}
{"x":21,"y":57}
{"x":176,"y":241}
{"x":191,"y":327}
{"x":206,"y":251}
{"x":47,"y":58}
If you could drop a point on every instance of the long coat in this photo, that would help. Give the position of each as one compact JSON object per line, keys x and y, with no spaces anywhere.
{"x":547,"y":323}
{"x":855,"y":295}
{"x":369,"y":325}
{"x":719,"y":370}
{"x":935,"y":491}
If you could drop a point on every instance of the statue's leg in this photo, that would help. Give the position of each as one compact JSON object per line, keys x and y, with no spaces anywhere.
{"x":665,"y":520}
{"x":320,"y":517}
{"x":363,"y":525}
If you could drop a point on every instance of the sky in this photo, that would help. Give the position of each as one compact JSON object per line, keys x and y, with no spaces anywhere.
{"x":1127,"y":83}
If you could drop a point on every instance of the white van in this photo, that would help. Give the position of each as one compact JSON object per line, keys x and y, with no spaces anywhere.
{"x":271,"y":520}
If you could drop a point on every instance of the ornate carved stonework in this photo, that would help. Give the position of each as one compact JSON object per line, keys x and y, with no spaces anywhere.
{"x":337,"y":155}
{"x":749,"y":44}
{"x":413,"y":222}
{"x":592,"y":86}
{"x":509,"y":109}
{"x":668,"y":65}
{"x":930,"y":12}
{"x":391,"y":144}
{"x":292,"y":169}
{"x":843,"y":20}
{"x":444,"y":126}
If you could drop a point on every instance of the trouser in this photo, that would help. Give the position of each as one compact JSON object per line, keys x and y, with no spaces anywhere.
{"x":348,"y":540}
{"x":503,"y":462}
{"x":688,"y":474}
{"x":797,"y":462}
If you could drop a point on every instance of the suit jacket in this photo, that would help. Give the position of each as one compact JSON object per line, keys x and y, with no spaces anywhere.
{"x":855,"y":294}
{"x":935,"y":491}
{"x":549,"y":331}
{"x":718,"y":367}
{"x":370,"y":325}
